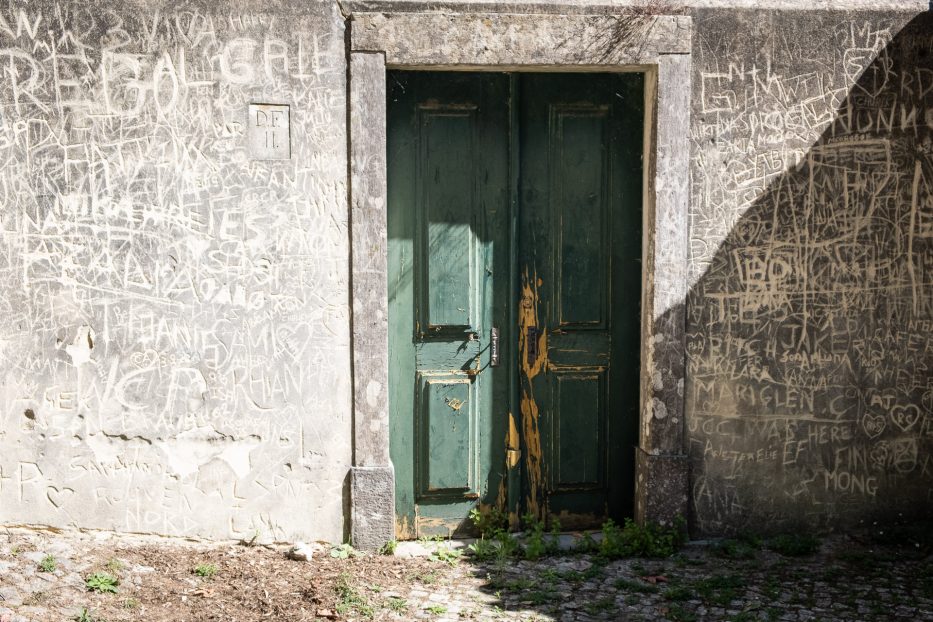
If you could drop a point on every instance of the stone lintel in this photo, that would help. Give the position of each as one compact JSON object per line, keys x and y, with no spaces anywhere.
{"x":476,"y":40}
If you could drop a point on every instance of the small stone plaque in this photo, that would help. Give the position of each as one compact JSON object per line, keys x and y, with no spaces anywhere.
{"x":268,"y":134}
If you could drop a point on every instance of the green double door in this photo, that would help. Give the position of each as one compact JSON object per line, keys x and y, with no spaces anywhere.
{"x":514,"y":223}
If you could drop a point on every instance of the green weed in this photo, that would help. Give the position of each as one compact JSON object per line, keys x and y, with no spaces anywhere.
{"x":85,"y":616}
{"x":499,"y":545}
{"x":446,"y":554}
{"x":677,"y":613}
{"x":719,"y":589}
{"x":344,"y":551}
{"x":586,"y":544}
{"x":519,"y":585}
{"x":102,"y":582}
{"x":114,"y":566}
{"x":794,"y":545}
{"x":205,"y":571}
{"x":436,"y":609}
{"x":832,"y":573}
{"x":553,"y":545}
{"x":542,"y":597}
{"x":682,"y":561}
{"x":349,"y":599}
{"x":594,"y":572}
{"x":678,"y":592}
{"x":772,"y":588}
{"x":48,"y":564}
{"x":574,"y":576}
{"x":535,"y":546}
{"x":634,"y":540}
{"x":426,"y":578}
{"x":600,"y":606}
{"x":389,"y":547}
{"x":489,"y":521}
{"x":734,"y":549}
{"x":397,"y":604}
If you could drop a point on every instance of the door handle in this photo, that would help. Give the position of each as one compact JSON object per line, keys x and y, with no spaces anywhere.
{"x":494,"y":347}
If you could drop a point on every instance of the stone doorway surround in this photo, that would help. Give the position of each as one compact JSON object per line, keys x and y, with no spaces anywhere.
{"x":478,"y":37}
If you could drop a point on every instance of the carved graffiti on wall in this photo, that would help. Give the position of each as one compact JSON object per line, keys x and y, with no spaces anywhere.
{"x":810,"y":350}
{"x":174,"y":344}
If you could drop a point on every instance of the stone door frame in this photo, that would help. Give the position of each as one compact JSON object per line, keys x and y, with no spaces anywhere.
{"x":659,"y":46}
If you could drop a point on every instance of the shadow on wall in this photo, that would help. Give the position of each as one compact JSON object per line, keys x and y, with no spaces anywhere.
{"x":809,"y":394}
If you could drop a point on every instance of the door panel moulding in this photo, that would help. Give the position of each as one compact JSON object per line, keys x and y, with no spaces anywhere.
{"x":660,"y":47}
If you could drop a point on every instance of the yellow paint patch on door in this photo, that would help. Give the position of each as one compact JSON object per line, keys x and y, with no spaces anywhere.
{"x":528,"y":318}
{"x":403,"y":530}
{"x":513,"y":452}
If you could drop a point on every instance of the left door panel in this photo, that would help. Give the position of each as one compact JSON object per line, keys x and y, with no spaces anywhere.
{"x":448,"y":225}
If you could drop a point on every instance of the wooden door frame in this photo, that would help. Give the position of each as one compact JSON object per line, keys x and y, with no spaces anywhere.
{"x":658,"y":46}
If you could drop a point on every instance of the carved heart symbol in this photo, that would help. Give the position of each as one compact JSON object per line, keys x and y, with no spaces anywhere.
{"x":874,"y":425}
{"x":879,"y":455}
{"x":58,"y":496}
{"x":905,"y":417}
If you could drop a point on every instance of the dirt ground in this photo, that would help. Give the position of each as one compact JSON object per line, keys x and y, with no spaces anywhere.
{"x":45,"y":576}
{"x":159,"y":582}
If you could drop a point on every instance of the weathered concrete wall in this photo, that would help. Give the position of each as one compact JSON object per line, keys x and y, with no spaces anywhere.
{"x":809,"y":390}
{"x":175,"y":335}
{"x":174,"y":342}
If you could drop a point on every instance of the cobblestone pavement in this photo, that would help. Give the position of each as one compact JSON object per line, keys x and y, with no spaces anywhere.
{"x":44,"y":576}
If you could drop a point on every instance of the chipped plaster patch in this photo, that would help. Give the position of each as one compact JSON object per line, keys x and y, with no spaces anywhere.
{"x":80,"y":349}
{"x":373,"y":391}
{"x":106,"y":450}
{"x":189,"y":451}
{"x":237,"y":456}
{"x":658,"y":408}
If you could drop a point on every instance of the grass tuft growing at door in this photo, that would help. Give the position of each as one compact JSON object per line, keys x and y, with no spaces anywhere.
{"x":634,"y":540}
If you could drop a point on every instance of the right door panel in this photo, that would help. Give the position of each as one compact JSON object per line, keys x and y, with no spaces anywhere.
{"x":580,"y":140}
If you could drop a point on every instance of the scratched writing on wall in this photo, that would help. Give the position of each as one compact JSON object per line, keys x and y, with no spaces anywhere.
{"x":809,"y":343}
{"x":175,"y":334}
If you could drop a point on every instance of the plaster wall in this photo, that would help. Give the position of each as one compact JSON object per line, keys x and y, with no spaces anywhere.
{"x":809,"y":392}
{"x":174,"y":343}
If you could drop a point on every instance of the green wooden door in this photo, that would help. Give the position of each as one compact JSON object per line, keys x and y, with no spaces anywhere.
{"x":579,"y":317}
{"x":448,"y":225}
{"x":467,"y":154}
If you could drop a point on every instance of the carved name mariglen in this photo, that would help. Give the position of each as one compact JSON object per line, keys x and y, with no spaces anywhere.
{"x":268,"y":135}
